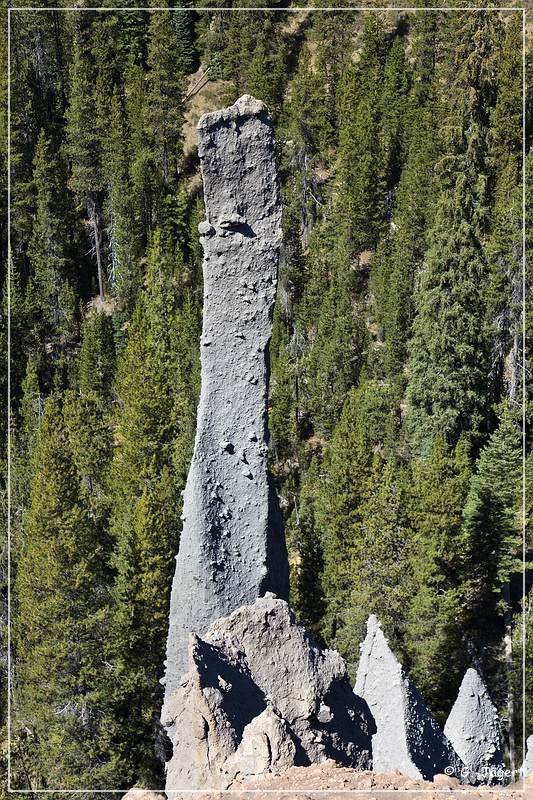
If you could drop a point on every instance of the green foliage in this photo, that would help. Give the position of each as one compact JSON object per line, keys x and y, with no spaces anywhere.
{"x":165,"y":89}
{"x":360,"y":154}
{"x":349,"y":467}
{"x":156,"y":391}
{"x":435,"y":615}
{"x":60,"y":625}
{"x":96,"y":361}
{"x":492,"y":530}
{"x":396,"y":349}
{"x":447,"y":368}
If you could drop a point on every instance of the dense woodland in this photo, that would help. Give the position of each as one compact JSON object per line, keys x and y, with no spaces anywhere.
{"x":397,"y":374}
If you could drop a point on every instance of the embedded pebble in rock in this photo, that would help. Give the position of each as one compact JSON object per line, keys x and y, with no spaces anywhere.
{"x":232,"y":546}
{"x":474,"y":730}
{"x":407,"y":737}
{"x":259,"y":697}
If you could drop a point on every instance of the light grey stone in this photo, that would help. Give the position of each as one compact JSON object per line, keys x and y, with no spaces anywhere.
{"x":232,"y":546}
{"x":474,"y":730}
{"x":407,"y":736}
{"x":260,"y":696}
{"x":527,"y":767}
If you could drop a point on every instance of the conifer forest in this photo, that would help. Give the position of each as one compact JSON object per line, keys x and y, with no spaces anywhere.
{"x":398,"y":382}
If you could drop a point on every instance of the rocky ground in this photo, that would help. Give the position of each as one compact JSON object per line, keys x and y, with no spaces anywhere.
{"x":334,"y":782}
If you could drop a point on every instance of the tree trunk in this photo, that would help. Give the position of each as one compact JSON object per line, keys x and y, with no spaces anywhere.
{"x":93,"y":219}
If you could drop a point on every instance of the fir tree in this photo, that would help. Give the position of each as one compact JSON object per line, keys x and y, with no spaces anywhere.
{"x":349,"y":468}
{"x":145,"y":492}
{"x":164,"y":111}
{"x":59,"y":592}
{"x":96,"y":360}
{"x":361,"y":173}
{"x":83,"y":151}
{"x":434,"y":618}
{"x":493,"y":535}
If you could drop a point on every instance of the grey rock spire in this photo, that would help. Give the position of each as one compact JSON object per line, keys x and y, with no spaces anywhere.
{"x":261,"y":696}
{"x":474,"y":729}
{"x":232,"y":548}
{"x":407,"y":737}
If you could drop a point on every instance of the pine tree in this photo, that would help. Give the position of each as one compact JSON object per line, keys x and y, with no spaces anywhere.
{"x":305,"y":551}
{"x":164,"y":112}
{"x":447,"y":367}
{"x":349,"y":467}
{"x":506,"y":128}
{"x":434,"y":618}
{"x":360,"y":155}
{"x":83,"y":149}
{"x":122,"y":234}
{"x":152,"y":431}
{"x":381,"y":579}
{"x":493,"y":535}
{"x":394,"y":109}
{"x":96,"y":360}
{"x":59,"y":595}
{"x":400,"y":253}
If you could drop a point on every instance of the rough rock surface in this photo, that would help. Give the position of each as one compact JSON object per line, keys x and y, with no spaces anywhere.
{"x":232,"y":546}
{"x":526,"y":769}
{"x":260,"y":696}
{"x":143,"y":794}
{"x":407,"y":736}
{"x":330,"y":780}
{"x":474,"y":730}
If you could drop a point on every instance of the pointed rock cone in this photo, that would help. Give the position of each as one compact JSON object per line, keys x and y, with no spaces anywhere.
{"x":474,"y":729}
{"x":407,"y":737}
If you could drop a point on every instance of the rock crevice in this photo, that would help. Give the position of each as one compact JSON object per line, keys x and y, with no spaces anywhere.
{"x":259,"y":697}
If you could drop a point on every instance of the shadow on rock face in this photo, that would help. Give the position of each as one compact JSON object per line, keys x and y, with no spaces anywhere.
{"x":261,"y":696}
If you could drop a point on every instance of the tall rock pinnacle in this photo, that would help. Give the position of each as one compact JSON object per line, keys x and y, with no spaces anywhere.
{"x":407,"y":737}
{"x":232,"y":547}
{"x":474,"y":729}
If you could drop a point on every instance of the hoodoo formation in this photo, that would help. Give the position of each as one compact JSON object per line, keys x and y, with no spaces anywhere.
{"x":248,"y":692}
{"x":261,"y":696}
{"x":474,"y":729}
{"x":232,"y":547}
{"x":407,"y":736}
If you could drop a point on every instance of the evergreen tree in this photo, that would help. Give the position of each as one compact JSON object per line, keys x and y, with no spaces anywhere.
{"x":493,"y":536}
{"x":360,"y":154}
{"x":381,"y":579}
{"x":164,"y":110}
{"x":400,"y":253}
{"x":96,"y":360}
{"x":122,"y":234}
{"x":82,"y":148}
{"x":305,"y":551}
{"x":145,"y":490}
{"x":448,"y":367}
{"x":60,"y":624}
{"x":349,"y":468}
{"x":434,"y":618}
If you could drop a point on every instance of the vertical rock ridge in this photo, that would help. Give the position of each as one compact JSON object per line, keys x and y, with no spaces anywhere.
{"x":232,"y":547}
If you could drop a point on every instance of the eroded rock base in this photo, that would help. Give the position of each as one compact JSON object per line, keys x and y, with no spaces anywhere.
{"x":259,"y":697}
